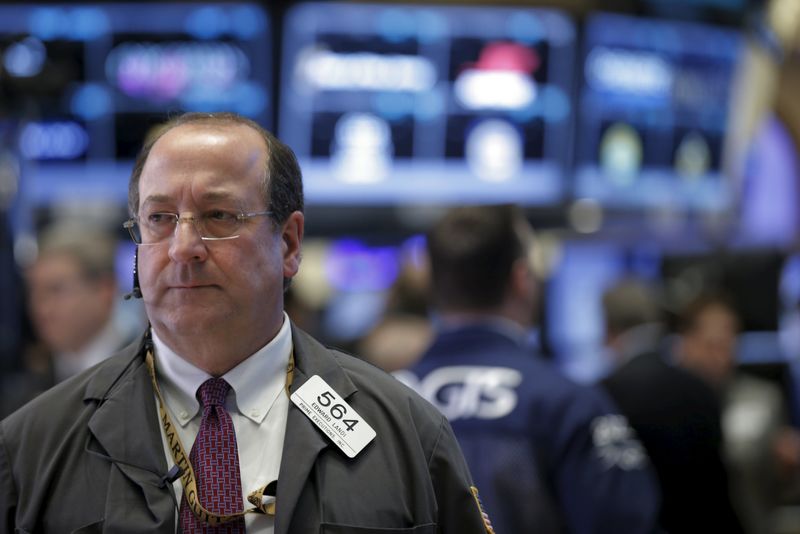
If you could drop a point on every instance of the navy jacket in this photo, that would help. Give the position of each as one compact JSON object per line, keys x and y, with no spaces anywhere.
{"x":677,"y":417}
{"x":547,"y":454}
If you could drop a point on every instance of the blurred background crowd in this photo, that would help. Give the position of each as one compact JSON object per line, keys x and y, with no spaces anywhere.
{"x":652,"y":144}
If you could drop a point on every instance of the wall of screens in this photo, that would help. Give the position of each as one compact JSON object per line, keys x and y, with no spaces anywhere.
{"x":384,"y":104}
{"x":391,"y":103}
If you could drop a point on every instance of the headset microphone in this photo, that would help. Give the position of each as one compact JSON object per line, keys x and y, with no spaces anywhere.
{"x":136,"y":291}
{"x":172,"y":475}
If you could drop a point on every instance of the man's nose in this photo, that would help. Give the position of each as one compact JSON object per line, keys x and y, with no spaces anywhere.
{"x":187,"y":244}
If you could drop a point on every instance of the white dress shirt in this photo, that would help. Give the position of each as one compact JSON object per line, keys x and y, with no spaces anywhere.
{"x":257,"y":404}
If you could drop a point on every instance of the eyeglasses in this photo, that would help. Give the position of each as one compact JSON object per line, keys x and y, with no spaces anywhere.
{"x":213,"y":225}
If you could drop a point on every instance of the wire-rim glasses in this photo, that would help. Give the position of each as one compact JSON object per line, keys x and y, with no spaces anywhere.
{"x":213,"y":225}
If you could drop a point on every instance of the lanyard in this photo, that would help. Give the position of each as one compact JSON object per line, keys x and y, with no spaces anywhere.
{"x":181,"y":459}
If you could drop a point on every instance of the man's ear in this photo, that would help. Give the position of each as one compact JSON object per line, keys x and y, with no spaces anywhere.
{"x":523,"y":281}
{"x":522,"y":294}
{"x":292,"y":243}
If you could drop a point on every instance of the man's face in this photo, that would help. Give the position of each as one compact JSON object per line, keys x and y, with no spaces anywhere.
{"x":230,"y":288}
{"x":532,"y":259}
{"x":709,"y":348}
{"x":67,"y":309}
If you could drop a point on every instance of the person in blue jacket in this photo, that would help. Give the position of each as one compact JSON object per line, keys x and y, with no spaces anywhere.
{"x":550,"y":455}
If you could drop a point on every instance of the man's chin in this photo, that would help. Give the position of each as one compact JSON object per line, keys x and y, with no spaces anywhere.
{"x":191,"y":292}
{"x":192,"y":321}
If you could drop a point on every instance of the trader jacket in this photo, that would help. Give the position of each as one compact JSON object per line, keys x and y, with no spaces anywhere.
{"x":87,"y":456}
{"x":549,"y":455}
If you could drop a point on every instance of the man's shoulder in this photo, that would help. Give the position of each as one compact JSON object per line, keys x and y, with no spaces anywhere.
{"x":654,"y":387}
{"x":483,"y":350}
{"x":544,"y":383}
{"x":651,"y":370}
{"x":572,"y":401}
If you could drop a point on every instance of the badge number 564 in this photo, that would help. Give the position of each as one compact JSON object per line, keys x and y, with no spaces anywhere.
{"x":337,"y":411}
{"x":333,"y":415}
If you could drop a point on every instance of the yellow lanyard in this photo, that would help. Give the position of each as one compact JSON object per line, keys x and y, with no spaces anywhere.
{"x":178,"y":452}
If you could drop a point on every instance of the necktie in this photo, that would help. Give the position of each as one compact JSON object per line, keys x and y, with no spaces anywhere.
{"x":215,"y":461}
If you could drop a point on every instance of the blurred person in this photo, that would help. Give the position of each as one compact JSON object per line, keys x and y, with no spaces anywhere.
{"x":675,"y":414}
{"x":397,"y":342}
{"x":709,"y":328}
{"x":72,"y":295}
{"x":761,"y":449}
{"x":551,"y":456}
{"x":224,"y":417}
{"x":404,"y":331}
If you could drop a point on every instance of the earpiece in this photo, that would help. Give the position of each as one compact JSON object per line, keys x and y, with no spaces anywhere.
{"x":136,"y":291}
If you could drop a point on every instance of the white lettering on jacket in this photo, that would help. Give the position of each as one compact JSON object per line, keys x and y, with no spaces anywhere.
{"x":465,"y":392}
{"x":616,"y":443}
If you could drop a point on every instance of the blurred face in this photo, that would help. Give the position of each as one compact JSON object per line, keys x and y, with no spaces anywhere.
{"x":231,"y":289}
{"x":527,"y":284}
{"x":67,"y":309}
{"x":710,"y":347}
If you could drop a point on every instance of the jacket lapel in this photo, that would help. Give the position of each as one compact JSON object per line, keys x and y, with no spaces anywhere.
{"x":304,"y":441}
{"x":125,"y":429}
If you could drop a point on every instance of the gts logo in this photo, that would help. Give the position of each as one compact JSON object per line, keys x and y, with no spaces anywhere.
{"x":464,"y":392}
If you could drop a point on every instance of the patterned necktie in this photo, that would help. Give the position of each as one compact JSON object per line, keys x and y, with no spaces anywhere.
{"x":215,"y":461}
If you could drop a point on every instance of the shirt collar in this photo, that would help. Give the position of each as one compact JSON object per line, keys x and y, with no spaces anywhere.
{"x":256,"y":382}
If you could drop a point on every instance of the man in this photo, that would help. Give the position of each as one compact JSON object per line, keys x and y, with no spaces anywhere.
{"x":674,"y":413}
{"x":193,"y":424}
{"x":549,"y":455}
{"x":72,"y":293}
{"x":761,"y":450}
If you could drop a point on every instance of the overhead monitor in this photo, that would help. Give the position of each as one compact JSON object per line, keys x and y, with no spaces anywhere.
{"x":392,"y":104}
{"x":86,"y":83}
{"x":653,"y":112}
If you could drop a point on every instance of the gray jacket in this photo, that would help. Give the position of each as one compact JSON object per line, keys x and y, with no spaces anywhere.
{"x":87,"y":456}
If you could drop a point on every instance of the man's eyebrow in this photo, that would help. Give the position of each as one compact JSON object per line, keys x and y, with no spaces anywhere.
{"x":157,"y":199}
{"x":210,"y":196}
{"x":213,"y":196}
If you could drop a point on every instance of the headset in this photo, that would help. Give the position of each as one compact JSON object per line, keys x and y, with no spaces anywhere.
{"x":136,"y":291}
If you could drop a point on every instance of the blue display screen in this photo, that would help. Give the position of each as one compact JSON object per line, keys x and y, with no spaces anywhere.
{"x":87,"y":83}
{"x":392,"y":104}
{"x":653,"y":113}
